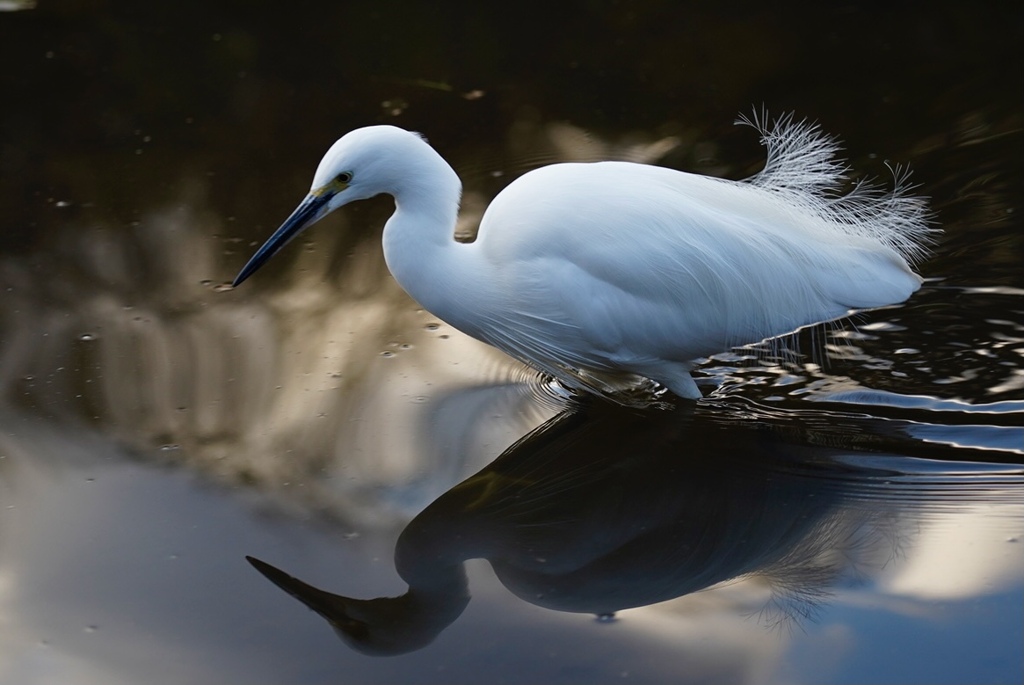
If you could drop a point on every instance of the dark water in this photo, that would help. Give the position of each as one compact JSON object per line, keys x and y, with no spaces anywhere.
{"x":850,"y":510}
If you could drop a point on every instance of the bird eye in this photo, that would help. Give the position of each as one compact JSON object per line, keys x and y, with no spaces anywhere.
{"x":343,"y":177}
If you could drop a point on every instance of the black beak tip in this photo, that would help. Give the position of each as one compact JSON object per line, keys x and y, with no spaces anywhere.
{"x":242,"y":275}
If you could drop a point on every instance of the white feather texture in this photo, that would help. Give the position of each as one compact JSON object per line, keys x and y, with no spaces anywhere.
{"x":599,"y":273}
{"x":803,"y":164}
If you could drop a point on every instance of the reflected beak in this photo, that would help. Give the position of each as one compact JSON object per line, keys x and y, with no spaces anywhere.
{"x":323,"y":603}
{"x":304,"y":216}
{"x":332,"y":607}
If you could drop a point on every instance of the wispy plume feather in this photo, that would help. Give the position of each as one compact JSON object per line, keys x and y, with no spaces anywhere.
{"x":802,"y":166}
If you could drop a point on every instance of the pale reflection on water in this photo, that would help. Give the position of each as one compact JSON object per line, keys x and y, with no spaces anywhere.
{"x":116,"y":572}
{"x":259,"y":388}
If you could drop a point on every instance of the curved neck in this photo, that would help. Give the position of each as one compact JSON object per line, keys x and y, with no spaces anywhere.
{"x":419,"y":240}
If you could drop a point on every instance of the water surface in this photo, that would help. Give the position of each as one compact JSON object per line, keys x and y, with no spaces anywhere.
{"x":844,"y":506}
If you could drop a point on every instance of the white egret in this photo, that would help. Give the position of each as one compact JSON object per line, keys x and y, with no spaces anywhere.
{"x":601,"y":274}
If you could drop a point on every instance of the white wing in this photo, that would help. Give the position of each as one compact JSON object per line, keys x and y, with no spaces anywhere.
{"x":638,"y":259}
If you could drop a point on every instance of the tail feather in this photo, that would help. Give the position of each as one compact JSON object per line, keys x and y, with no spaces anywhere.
{"x":803,"y":166}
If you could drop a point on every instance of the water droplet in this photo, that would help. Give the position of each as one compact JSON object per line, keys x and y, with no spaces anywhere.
{"x":387,"y":353}
{"x":223,"y":287}
{"x":420,"y":399}
{"x":405,"y":346}
{"x":91,"y":628}
{"x":606,"y":618}
{"x":394,"y":107}
{"x":169,"y":447}
{"x":1013,"y":539}
{"x":432,"y":326}
{"x":87,"y":336}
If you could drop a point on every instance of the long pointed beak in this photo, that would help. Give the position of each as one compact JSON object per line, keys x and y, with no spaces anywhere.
{"x":332,"y":607}
{"x":304,"y":215}
{"x":324,"y":603}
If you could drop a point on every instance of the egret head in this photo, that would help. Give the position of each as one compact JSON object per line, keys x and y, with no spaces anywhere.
{"x":364,"y":163}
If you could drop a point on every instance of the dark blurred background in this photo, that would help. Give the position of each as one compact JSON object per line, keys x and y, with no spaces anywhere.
{"x":109,"y":105}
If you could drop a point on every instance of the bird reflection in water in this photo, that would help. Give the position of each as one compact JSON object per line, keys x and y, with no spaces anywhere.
{"x":607,"y":509}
